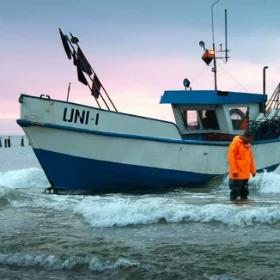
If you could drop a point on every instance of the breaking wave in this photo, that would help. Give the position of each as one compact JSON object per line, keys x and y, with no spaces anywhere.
{"x":24,"y":178}
{"x":125,"y":212}
{"x":267,"y":182}
{"x":263,"y":183}
{"x":116,"y":211}
{"x":13,"y":180}
{"x":52,"y":262}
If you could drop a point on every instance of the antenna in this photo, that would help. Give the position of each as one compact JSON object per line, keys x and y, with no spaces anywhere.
{"x":214,"y":69}
{"x":226,"y":50}
{"x":212,"y":16}
{"x":211,"y":55}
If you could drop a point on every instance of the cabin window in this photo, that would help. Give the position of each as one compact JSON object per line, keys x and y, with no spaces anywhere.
{"x":209,"y":119}
{"x":239,"y":117}
{"x":190,"y":119}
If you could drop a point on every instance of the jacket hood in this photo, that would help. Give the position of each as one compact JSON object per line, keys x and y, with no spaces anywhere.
{"x":239,"y":139}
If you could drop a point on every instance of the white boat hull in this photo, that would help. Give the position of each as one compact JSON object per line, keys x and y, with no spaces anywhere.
{"x":122,"y":152}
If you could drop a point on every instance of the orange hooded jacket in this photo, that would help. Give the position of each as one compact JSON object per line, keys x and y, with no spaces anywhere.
{"x":241,"y":159}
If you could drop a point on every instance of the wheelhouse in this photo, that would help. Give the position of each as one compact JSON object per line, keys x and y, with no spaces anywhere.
{"x":213,"y":115}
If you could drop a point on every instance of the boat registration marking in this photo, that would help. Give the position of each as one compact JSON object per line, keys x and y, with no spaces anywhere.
{"x":79,"y":116}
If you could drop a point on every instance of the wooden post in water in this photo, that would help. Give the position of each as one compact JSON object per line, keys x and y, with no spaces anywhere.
{"x":22,"y":141}
{"x":9,"y":142}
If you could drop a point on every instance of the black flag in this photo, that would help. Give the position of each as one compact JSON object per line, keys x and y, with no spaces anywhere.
{"x":82,"y":62}
{"x":96,"y":85}
{"x":75,"y":60}
{"x":81,"y":77}
{"x":65,"y":39}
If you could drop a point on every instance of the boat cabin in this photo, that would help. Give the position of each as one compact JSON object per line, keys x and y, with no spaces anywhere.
{"x":213,"y":115}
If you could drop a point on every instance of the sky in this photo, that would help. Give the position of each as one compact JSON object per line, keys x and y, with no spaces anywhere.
{"x":137,"y":48}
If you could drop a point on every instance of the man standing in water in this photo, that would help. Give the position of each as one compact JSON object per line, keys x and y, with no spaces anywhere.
{"x":241,"y":165}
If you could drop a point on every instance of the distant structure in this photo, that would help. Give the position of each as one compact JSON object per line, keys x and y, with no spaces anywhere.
{"x":22,"y":141}
{"x":8,"y":141}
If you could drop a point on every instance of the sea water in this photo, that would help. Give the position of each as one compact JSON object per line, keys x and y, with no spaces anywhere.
{"x":182,"y":234}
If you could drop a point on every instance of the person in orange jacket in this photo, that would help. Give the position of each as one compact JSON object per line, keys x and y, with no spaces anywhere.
{"x":241,"y":165}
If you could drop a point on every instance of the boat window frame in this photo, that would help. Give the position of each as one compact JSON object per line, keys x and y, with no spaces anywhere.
{"x":184,"y":114}
{"x":200,"y":113}
{"x":238,"y":110}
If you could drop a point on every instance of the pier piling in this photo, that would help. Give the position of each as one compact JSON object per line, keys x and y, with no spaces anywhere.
{"x":22,"y":141}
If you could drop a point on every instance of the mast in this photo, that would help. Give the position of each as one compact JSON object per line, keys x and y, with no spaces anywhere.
{"x":211,"y":55}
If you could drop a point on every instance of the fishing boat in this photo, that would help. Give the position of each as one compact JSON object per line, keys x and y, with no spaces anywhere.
{"x":92,"y":149}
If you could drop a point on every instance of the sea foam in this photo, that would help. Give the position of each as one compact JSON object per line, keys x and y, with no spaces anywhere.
{"x":23,"y":178}
{"x":53,"y":262}
{"x":124,"y":212}
{"x":13,"y":180}
{"x":267,"y":182}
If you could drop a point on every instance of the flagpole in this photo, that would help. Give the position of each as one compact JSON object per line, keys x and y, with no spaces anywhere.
{"x":68,"y":91}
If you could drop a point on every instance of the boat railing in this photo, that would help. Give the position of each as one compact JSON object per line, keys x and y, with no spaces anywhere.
{"x":274,"y":102}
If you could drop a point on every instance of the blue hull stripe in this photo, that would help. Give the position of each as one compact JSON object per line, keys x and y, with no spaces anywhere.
{"x":76,"y":173}
{"x":25,"y":123}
